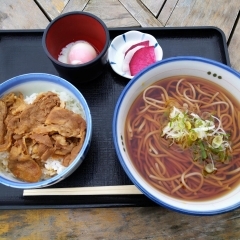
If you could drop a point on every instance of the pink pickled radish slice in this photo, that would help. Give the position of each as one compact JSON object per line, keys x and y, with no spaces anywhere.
{"x":128,"y":57}
{"x":144,"y":44}
{"x":141,"y":59}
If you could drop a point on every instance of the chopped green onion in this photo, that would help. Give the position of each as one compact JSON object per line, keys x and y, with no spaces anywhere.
{"x":193,"y":136}
{"x":203,"y":151}
{"x":209,"y":168}
{"x":207,"y":141}
{"x":217,"y":141}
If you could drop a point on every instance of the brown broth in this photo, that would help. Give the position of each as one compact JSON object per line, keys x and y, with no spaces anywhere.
{"x":146,"y":162}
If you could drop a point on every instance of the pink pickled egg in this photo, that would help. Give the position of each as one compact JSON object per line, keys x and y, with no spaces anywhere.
{"x":81,"y":52}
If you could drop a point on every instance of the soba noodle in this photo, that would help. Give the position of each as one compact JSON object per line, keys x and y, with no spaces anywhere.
{"x":171,"y":169}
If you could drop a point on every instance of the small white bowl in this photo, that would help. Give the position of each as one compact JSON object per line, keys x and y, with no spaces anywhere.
{"x":41,"y":82}
{"x":213,"y":71}
{"x":120,"y":44}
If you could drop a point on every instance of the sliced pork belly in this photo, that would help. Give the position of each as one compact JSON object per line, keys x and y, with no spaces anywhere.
{"x":3,"y":114}
{"x":63,"y":122}
{"x":34,"y":114}
{"x":33,"y":133}
{"x":28,"y":171}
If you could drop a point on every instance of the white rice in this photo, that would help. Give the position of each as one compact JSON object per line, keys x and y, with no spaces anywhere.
{"x":4,"y":161}
{"x":52,"y":166}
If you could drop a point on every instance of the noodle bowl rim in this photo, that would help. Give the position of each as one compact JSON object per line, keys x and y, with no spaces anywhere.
{"x":208,"y":207}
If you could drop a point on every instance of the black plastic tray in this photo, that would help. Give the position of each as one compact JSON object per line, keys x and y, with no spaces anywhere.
{"x":21,"y":52}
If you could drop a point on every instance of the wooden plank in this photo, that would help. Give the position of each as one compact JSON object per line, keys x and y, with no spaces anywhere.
{"x":141,"y":13}
{"x":116,"y":223}
{"x":18,"y":14}
{"x":112,"y":13}
{"x":52,"y":8}
{"x":234,"y":47}
{"x":75,"y":5}
{"x":220,"y":13}
{"x":167,"y":11}
{"x":153,"y":5}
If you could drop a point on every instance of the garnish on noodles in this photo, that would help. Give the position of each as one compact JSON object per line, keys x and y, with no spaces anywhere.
{"x":205,"y":137}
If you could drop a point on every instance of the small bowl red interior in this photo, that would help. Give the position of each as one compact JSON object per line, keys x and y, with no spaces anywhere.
{"x":72,"y":27}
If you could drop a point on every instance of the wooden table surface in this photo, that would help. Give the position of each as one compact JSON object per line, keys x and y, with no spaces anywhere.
{"x":130,"y":222}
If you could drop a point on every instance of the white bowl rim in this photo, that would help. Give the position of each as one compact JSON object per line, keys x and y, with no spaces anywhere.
{"x":122,"y":162}
{"x":30,"y":77}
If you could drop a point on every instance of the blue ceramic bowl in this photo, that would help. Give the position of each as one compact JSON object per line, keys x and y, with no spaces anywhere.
{"x":213,"y":71}
{"x":41,"y":82}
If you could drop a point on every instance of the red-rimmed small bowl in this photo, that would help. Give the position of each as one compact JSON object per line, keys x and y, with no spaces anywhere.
{"x":72,"y":27}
